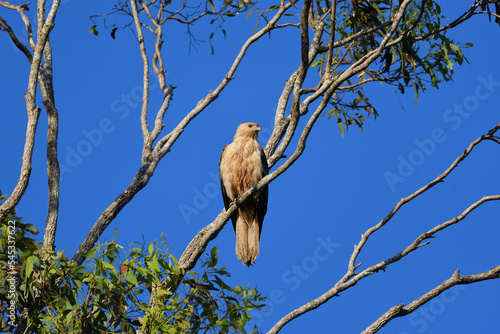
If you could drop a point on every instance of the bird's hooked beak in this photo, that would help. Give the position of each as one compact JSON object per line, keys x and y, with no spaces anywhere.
{"x":258,"y":128}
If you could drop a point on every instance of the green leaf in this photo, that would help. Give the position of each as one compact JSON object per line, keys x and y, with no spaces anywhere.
{"x":316,"y":63}
{"x":29,"y":264}
{"x":213,"y":257}
{"x":358,"y":99}
{"x":77,"y":270}
{"x":93,"y":30}
{"x":153,"y":265}
{"x":109,"y":266}
{"x":415,"y":88}
{"x":250,"y":12}
{"x":341,"y":126}
{"x":130,"y":276}
{"x":211,"y":4}
{"x":360,"y":117}
{"x":89,"y":253}
{"x":222,"y":323}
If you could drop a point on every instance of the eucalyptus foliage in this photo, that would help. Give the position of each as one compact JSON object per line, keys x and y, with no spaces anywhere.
{"x":110,"y":292}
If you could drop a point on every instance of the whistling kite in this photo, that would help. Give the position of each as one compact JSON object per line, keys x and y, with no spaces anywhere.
{"x":242,"y":164}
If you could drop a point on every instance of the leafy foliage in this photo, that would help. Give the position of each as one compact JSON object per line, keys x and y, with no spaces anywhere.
{"x":108,"y":294}
{"x":418,"y":54}
{"x":187,"y":13}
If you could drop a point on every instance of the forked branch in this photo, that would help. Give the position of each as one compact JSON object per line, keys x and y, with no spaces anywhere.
{"x":286,"y":131}
{"x":364,"y":238}
{"x":351,"y":278}
{"x":45,"y":26}
{"x":151,"y":159}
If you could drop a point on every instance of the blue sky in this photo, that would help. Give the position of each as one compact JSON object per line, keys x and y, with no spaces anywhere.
{"x":317,"y":210}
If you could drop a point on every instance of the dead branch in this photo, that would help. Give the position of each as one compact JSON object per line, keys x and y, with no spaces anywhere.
{"x":351,"y":278}
{"x":403,"y":201}
{"x":401,"y":310}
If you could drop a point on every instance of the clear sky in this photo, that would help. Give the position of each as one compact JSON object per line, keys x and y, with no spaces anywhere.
{"x":317,"y":210}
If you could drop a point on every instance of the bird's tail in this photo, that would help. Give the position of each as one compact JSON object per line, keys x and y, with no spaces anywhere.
{"x":247,"y":239}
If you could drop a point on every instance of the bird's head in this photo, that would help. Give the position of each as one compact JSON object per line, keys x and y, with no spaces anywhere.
{"x":248,"y":130}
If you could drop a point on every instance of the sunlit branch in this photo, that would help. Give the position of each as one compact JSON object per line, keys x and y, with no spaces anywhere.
{"x":53,"y":170}
{"x":401,"y":310}
{"x":333,"y":16}
{"x":403,"y":201}
{"x":282,"y":134}
{"x":203,"y":103}
{"x":151,"y":159}
{"x":15,"y":40}
{"x":300,"y":77}
{"x":145,"y":78}
{"x":350,"y":278}
{"x":45,"y":27}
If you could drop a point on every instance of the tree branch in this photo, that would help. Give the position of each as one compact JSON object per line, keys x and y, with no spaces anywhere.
{"x":15,"y":40}
{"x":172,"y":137}
{"x":329,"y":61}
{"x":53,"y":176}
{"x":145,"y":79}
{"x":456,"y":279}
{"x":53,"y":171}
{"x":282,"y":131}
{"x":199,"y":243}
{"x":403,"y":201}
{"x":44,"y":28}
{"x":350,"y":278}
{"x":163,"y":146}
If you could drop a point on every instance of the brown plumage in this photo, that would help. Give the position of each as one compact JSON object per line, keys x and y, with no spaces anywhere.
{"x":242,"y":164}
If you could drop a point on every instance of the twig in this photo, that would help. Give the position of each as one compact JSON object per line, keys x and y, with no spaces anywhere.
{"x":333,"y":22}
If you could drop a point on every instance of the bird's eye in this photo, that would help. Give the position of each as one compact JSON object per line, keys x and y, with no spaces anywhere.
{"x":249,"y":125}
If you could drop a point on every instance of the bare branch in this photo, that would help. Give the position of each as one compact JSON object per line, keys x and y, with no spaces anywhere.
{"x":199,"y":243}
{"x":27,"y":23}
{"x":53,"y":171}
{"x":329,"y":62}
{"x":345,"y":284}
{"x":162,"y":147}
{"x":145,"y":79}
{"x":172,"y":137}
{"x":53,"y":176}
{"x":351,"y":278}
{"x":45,"y":26}
{"x":456,"y":279}
{"x":46,"y":87}
{"x":403,"y":201}
{"x":15,"y":40}
{"x":282,"y":124}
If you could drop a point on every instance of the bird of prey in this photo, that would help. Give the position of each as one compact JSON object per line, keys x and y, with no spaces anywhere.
{"x":242,"y":164}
